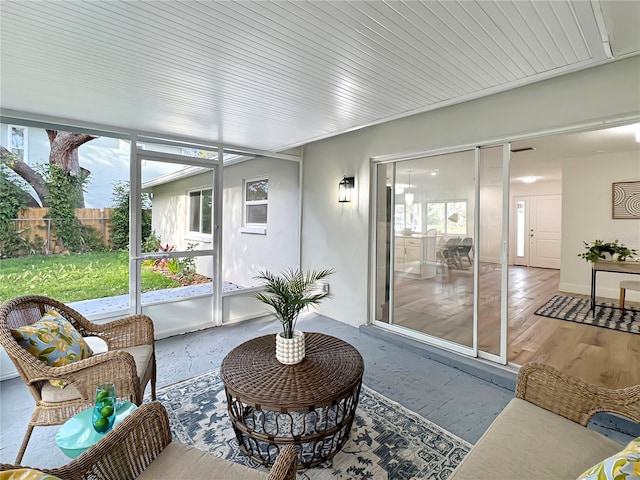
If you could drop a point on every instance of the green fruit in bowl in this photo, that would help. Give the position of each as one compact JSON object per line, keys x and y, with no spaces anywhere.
{"x":102,"y":395}
{"x":101,"y":424}
{"x":107,"y":411}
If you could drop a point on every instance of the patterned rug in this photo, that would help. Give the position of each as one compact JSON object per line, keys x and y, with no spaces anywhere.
{"x":387,"y":441}
{"x":579,"y":310}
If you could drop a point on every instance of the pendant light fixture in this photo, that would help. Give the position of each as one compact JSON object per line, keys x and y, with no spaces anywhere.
{"x":408,"y":197}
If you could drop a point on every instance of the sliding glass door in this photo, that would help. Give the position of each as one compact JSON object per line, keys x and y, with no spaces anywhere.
{"x":439,"y":248}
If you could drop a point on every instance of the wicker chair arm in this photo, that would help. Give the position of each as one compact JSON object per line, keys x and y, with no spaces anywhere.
{"x":572,"y":398}
{"x":124,"y":453}
{"x":125,"y":332}
{"x":286,"y":464}
{"x":115,"y":366}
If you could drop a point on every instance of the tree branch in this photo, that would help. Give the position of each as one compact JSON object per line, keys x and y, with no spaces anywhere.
{"x":32,"y":177}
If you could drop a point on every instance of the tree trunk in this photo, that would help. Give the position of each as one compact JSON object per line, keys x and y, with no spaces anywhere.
{"x":64,"y":153}
{"x":32,"y":177}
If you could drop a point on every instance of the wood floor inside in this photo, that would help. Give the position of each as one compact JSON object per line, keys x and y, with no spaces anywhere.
{"x":443,"y":307}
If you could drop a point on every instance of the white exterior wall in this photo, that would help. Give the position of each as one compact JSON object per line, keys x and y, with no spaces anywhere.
{"x":244,"y":254}
{"x":337,"y":235}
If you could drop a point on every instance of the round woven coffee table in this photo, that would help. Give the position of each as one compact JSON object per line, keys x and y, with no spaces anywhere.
{"x":311,"y":404}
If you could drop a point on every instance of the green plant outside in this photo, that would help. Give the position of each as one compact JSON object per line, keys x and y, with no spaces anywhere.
{"x":74,"y":277}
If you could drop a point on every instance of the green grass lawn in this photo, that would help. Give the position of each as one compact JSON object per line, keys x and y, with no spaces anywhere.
{"x":74,"y":277}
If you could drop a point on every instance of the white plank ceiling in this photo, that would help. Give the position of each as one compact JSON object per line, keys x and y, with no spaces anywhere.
{"x":270,"y":75}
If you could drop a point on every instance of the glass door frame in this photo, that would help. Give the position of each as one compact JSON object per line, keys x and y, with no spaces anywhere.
{"x":472,"y":351}
{"x":135,"y":223}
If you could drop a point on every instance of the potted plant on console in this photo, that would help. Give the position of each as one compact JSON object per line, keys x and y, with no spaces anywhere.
{"x":600,"y":250}
{"x":289,"y":294}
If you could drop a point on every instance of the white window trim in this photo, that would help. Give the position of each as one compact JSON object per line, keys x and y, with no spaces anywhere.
{"x":25,"y":141}
{"x":247,"y":227}
{"x":196,"y":235}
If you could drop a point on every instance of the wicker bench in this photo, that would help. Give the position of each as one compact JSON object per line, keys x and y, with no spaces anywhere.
{"x":141,"y":447}
{"x":541,"y":433}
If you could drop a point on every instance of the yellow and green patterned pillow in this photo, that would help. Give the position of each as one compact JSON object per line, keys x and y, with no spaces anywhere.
{"x":25,"y":474}
{"x":624,"y":465}
{"x":54,"y":341}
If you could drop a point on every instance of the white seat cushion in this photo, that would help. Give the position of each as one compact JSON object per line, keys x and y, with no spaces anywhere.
{"x":529,"y":443}
{"x":178,"y":460}
{"x":141,"y":355}
{"x":630,"y":285}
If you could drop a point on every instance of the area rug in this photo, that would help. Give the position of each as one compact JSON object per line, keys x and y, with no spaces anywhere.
{"x":578,"y":310}
{"x":387,"y":441}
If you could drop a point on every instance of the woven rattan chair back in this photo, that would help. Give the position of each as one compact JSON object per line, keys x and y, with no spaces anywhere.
{"x":116,"y":365}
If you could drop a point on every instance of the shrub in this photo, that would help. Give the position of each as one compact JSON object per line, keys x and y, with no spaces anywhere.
{"x":120,"y":217}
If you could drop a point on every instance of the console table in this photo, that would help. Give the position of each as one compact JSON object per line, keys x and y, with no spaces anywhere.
{"x":311,"y":404}
{"x":614,"y":266}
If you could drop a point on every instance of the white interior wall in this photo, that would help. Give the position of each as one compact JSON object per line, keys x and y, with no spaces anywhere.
{"x":337,"y":234}
{"x":587,"y":216}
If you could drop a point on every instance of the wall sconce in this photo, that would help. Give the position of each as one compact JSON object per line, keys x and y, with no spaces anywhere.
{"x":345,"y":187}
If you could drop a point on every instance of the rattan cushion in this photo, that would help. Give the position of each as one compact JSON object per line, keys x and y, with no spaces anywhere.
{"x":141,"y":355}
{"x":178,"y":460}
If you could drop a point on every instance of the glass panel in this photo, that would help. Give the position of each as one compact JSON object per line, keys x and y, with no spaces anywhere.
{"x":194,"y":211}
{"x":257,"y":214}
{"x":520,"y":233}
{"x":435,"y":216}
{"x":433,"y":274}
{"x":174,"y":148}
{"x":207,"y":211}
{"x":89,"y":221}
{"x":257,"y":190}
{"x":384,"y":196}
{"x":489,"y":250}
{"x":457,"y":218}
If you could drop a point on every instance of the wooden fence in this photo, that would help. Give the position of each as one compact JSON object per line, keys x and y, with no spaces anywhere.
{"x":36,"y":227}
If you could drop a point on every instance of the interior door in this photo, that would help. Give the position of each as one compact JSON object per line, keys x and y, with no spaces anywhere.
{"x":545,"y":230}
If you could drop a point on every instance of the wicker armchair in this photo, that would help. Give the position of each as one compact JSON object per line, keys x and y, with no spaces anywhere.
{"x":135,"y":443}
{"x":130,"y":362}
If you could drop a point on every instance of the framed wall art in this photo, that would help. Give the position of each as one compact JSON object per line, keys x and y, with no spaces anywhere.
{"x":626,"y":200}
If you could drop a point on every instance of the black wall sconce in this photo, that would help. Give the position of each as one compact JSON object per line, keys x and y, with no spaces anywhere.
{"x":345,"y":187}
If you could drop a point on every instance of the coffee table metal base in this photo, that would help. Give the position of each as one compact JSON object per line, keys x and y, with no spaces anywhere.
{"x":319,"y":432}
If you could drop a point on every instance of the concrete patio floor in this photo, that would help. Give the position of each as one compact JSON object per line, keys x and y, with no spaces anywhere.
{"x":459,"y":402}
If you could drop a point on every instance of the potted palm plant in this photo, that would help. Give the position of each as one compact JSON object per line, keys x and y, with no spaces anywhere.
{"x":289,"y":294}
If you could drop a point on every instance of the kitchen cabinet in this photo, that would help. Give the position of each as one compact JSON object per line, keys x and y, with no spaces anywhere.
{"x":415,"y":255}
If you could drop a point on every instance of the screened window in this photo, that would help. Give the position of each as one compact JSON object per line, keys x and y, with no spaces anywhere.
{"x":200,"y":211}
{"x":256,"y":199}
{"x":449,"y":217}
